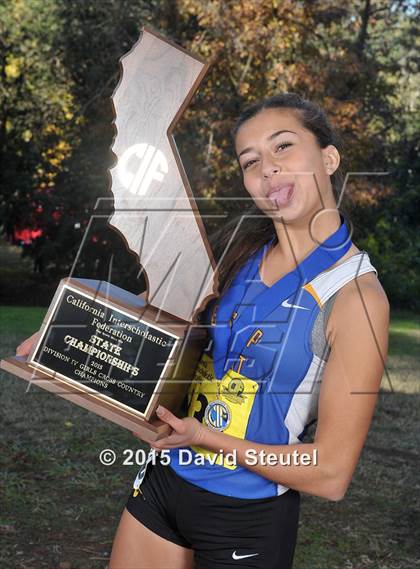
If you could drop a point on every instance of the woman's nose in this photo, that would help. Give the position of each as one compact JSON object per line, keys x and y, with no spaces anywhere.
{"x":269,"y":166}
{"x":270,"y":169}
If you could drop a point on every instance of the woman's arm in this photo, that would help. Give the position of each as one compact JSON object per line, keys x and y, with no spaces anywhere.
{"x":25,"y":347}
{"x":358,"y":332}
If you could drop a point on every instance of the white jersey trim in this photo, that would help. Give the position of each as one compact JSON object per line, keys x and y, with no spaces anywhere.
{"x":304,"y":404}
{"x":329,"y":282}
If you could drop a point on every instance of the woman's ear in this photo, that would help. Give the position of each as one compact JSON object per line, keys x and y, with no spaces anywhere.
{"x":331,"y":158}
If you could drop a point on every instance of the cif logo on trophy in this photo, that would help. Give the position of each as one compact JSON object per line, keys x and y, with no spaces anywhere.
{"x":153,"y":166}
{"x":100,"y":346}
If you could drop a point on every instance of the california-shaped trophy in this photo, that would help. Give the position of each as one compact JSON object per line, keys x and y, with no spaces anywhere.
{"x":115,"y":353}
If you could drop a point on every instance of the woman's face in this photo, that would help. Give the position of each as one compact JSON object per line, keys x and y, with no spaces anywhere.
{"x":284,"y":169}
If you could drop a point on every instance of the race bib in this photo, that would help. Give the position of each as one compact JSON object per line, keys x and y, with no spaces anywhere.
{"x":223,"y":405}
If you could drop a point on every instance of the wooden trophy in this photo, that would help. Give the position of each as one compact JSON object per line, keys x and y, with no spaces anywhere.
{"x":102,"y":347}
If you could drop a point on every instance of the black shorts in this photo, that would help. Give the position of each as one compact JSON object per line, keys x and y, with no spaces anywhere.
{"x":223,"y":531}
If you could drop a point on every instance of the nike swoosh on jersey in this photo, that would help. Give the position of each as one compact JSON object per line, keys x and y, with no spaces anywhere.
{"x":286,"y":304}
{"x":236,"y":556}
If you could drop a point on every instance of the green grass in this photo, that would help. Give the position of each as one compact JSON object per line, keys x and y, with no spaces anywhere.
{"x":405,"y":321}
{"x":59,"y":504}
{"x":21,"y":321}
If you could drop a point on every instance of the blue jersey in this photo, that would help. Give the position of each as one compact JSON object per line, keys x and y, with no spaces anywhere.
{"x":260,"y":378}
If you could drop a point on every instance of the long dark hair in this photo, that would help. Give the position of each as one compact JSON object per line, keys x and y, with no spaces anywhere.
{"x":247,"y":232}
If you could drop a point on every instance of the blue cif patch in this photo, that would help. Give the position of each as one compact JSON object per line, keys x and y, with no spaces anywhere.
{"x":217,"y":415}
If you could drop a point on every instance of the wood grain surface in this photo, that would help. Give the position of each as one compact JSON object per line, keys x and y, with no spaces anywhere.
{"x":154,"y":207}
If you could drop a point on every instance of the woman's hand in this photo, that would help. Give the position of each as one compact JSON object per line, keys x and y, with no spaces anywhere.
{"x":26,"y":346}
{"x":185,"y":432}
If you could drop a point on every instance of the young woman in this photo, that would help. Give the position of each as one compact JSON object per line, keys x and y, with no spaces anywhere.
{"x":300,"y":303}
{"x":299,"y":333}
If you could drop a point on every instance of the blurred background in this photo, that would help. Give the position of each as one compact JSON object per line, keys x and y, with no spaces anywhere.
{"x":59,"y":64}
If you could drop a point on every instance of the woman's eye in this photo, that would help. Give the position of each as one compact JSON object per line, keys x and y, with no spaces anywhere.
{"x":283,"y":145}
{"x":245,"y":166}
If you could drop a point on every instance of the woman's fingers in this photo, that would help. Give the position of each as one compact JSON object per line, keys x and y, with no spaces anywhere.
{"x":169,"y":418}
{"x":25,"y":347}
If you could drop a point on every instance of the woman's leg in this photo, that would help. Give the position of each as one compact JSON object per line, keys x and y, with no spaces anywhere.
{"x":136,"y":547}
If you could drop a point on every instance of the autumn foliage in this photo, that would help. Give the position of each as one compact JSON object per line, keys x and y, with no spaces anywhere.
{"x":359,"y":60}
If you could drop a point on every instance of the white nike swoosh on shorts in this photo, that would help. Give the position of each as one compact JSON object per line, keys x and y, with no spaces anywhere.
{"x":236,"y":556}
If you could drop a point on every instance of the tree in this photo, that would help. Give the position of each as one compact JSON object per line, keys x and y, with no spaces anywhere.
{"x":59,"y":65}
